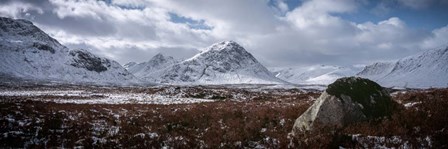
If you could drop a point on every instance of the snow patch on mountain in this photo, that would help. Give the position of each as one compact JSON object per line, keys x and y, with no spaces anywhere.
{"x":313,"y":75}
{"x":29,"y":53}
{"x":129,"y":65}
{"x":222,"y":63}
{"x":428,"y":69}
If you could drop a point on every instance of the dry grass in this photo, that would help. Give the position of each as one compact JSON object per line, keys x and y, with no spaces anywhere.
{"x":427,"y":118}
{"x":226,"y":124}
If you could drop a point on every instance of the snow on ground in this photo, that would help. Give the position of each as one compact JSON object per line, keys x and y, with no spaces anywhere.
{"x":411,"y":104}
{"x":163,"y":94}
{"x":381,"y":142}
{"x":87,"y":97}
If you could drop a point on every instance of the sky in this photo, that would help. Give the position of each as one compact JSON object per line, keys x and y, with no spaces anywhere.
{"x":279,"y":33}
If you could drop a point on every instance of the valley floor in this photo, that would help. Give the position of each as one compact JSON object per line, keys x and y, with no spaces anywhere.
{"x":201,"y":117}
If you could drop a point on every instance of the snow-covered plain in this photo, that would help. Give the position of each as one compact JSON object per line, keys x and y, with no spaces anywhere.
{"x":87,"y":97}
{"x":161,"y":94}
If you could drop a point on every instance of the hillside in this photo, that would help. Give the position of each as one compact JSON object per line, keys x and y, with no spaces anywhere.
{"x":28,"y":53}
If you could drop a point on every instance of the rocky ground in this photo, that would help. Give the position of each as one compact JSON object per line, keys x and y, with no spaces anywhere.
{"x":202,"y":117}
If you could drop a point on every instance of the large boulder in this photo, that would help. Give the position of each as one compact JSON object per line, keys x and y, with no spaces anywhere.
{"x":347,"y":100}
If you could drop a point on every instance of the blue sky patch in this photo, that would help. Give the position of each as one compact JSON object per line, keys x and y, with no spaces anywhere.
{"x":193,"y":24}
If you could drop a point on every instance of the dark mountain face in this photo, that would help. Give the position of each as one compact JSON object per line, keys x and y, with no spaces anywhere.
{"x":11,"y":28}
{"x":44,"y":47}
{"x":83,"y":59}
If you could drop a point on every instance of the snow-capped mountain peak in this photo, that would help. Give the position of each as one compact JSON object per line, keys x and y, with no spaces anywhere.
{"x":17,"y":30}
{"x":224,"y":45}
{"x":160,"y":59}
{"x":221,"y":63}
{"x":231,"y":48}
{"x":146,"y":69}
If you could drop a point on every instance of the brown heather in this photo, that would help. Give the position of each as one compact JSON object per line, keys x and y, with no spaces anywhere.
{"x":221,"y":124}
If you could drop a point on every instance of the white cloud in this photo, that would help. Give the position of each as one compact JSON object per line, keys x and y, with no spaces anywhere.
{"x":16,"y":9}
{"x":317,"y":35}
{"x":130,"y":3}
{"x":439,"y":39}
{"x":146,"y":28}
{"x":282,"y":6}
{"x":230,"y":18}
{"x":312,"y":33}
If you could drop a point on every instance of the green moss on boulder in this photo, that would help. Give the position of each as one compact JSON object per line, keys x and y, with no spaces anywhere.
{"x":374,"y":99}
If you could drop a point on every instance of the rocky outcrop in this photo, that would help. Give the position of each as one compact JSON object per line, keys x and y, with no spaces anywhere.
{"x":84,"y":59}
{"x":346,"y":101}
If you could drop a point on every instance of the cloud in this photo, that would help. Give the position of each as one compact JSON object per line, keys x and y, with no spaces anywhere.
{"x":111,"y":29}
{"x":439,"y":39}
{"x":318,"y":35}
{"x":282,"y":6}
{"x":229,"y":18}
{"x":14,"y":9}
{"x":130,"y":3}
{"x":276,"y":34}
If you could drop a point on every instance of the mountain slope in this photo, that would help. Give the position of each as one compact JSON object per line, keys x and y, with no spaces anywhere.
{"x":29,"y":53}
{"x":129,"y":65}
{"x":428,"y":69}
{"x":147,"y":69}
{"x":313,"y":75}
{"x":222,"y":63}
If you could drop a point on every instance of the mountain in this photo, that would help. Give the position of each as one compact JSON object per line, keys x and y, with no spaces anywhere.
{"x":129,"y":65}
{"x":313,"y":75}
{"x":222,"y":63}
{"x":147,"y":69}
{"x":28,"y":53}
{"x":428,"y":69}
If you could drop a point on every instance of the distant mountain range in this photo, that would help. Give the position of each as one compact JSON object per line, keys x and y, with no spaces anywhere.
{"x":313,"y":75}
{"x":425,"y":70}
{"x":29,"y":54}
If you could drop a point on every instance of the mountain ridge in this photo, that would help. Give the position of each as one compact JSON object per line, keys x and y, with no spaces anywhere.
{"x":425,"y":70}
{"x":29,"y":53}
{"x":313,"y":75}
{"x":146,"y":69}
{"x":225,"y":62}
